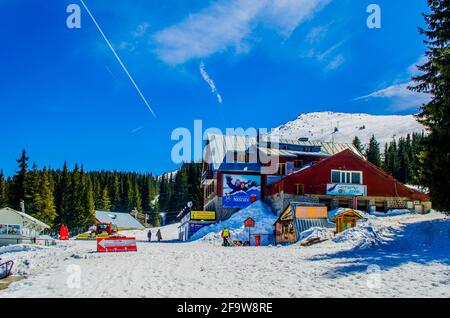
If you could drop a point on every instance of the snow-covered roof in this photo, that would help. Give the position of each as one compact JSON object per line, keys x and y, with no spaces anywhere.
{"x":334,"y":213}
{"x":122,"y":220}
{"x":291,"y":153}
{"x":27,"y":217}
{"x":218,"y":146}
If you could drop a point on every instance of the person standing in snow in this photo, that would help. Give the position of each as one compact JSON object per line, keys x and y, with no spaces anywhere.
{"x":159,"y":236}
{"x":226,"y":235}
{"x":149,"y":235}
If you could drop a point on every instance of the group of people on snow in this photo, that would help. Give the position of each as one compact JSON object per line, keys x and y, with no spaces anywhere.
{"x":158,"y":235}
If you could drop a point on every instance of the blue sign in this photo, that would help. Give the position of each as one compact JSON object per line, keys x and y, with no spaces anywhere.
{"x":239,"y":191}
{"x":354,"y":190}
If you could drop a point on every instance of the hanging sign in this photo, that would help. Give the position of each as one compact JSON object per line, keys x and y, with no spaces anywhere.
{"x":249,"y":222}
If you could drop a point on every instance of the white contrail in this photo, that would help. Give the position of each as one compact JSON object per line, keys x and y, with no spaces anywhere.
{"x":118,"y":58}
{"x":210,"y":82}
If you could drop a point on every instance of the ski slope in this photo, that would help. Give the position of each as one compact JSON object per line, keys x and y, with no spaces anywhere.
{"x":404,"y":255}
{"x":322,"y":126}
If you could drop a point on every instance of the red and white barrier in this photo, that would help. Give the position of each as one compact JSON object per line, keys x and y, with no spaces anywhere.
{"x":116,"y":244}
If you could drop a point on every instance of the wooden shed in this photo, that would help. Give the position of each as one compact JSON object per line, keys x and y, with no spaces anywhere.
{"x":297,"y":218}
{"x":345,"y":218}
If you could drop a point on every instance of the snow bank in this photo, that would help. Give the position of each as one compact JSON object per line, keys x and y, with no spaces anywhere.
{"x":19,"y":248}
{"x":363,"y":236}
{"x":259,"y":211}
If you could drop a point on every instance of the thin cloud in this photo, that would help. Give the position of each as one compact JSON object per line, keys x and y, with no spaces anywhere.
{"x":228,"y":23}
{"x":137,"y":129}
{"x":210,"y":82}
{"x":331,"y":58}
{"x":316,"y":34}
{"x":400,"y":97}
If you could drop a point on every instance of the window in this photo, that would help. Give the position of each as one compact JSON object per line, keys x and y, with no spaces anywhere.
{"x":351,"y":177}
{"x":356,"y":177}
{"x":335,"y":177}
{"x":299,"y":189}
{"x":298,"y":163}
{"x":282,"y":169}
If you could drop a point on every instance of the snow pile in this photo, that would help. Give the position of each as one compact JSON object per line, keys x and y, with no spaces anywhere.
{"x":258,"y":211}
{"x":19,"y":248}
{"x":363,"y":236}
{"x":320,"y":233}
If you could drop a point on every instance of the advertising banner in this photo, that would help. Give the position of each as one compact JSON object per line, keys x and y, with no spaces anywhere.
{"x":116,"y":244}
{"x":239,"y":191}
{"x":354,"y":190}
{"x":203,"y":215}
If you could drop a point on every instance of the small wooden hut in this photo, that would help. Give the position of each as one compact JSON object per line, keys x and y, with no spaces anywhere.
{"x":345,"y":218}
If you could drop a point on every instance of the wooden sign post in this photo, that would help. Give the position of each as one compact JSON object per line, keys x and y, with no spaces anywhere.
{"x":249,"y":223}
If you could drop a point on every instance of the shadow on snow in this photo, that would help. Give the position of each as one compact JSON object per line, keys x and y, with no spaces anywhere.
{"x":421,"y":243}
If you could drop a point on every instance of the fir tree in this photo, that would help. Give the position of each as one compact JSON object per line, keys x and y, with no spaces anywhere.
{"x":434,"y":158}
{"x":44,"y":208}
{"x":373,"y":152}
{"x":88,"y":215}
{"x":358,"y":145}
{"x":77,"y":201}
{"x":4,"y":201}
{"x":137,"y":197}
{"x":105,"y":201}
{"x":20,"y":179}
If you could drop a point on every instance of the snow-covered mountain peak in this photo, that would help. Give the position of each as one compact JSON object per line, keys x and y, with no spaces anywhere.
{"x":343,"y":127}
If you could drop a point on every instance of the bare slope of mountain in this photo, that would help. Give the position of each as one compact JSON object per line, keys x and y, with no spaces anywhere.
{"x":343,"y":127}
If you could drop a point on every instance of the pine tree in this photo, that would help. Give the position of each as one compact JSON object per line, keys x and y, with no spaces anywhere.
{"x":137,"y":199}
{"x":130,"y":199}
{"x":44,"y":208}
{"x":434,"y":158}
{"x":357,"y":144}
{"x":33,"y":200}
{"x":77,"y":201}
{"x":105,"y":201}
{"x":180,"y":190}
{"x":63,"y":196}
{"x":373,"y":152}
{"x":20,"y":179}
{"x":89,"y":204}
{"x":116,"y":193}
{"x":4,"y":201}
{"x":155,"y":217}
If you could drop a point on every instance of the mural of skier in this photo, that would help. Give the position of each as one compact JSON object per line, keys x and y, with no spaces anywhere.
{"x":239,"y":191}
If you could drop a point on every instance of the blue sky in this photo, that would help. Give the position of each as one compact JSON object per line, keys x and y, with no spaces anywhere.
{"x":64,"y":95}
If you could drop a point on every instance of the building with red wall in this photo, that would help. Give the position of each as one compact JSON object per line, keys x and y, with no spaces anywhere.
{"x":231,"y":160}
{"x":345,"y":180}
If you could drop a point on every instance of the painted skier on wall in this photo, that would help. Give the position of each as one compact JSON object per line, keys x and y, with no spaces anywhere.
{"x":239,"y":191}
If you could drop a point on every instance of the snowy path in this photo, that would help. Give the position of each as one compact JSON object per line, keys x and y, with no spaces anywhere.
{"x":412,"y":262}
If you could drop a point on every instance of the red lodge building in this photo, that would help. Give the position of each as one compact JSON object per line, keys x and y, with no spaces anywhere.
{"x":345,"y":180}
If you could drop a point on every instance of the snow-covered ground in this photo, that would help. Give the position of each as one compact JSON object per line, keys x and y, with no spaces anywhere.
{"x":405,"y":255}
{"x":320,"y":126}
